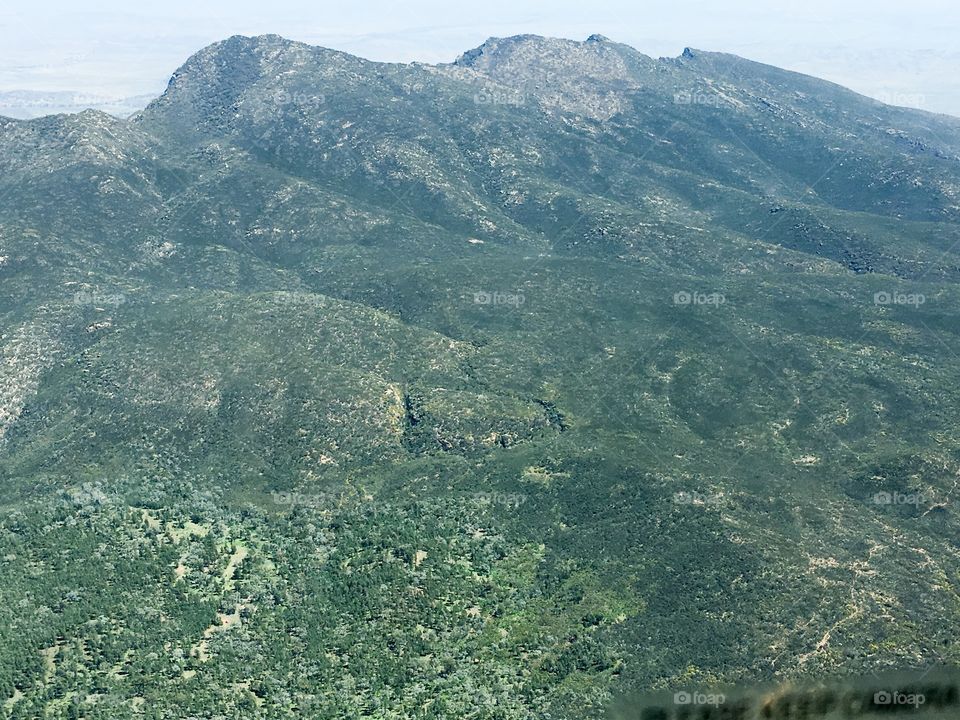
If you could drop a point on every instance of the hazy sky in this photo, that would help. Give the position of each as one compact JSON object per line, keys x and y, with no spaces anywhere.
{"x":902,"y":52}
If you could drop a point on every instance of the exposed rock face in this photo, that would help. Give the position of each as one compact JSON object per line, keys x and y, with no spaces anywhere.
{"x":493,"y":388}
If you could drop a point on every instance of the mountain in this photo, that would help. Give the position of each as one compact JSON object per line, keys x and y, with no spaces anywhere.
{"x":500,"y":388}
{"x":28,"y":104}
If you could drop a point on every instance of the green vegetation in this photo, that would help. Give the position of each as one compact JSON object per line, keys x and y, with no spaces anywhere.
{"x":337,"y":389}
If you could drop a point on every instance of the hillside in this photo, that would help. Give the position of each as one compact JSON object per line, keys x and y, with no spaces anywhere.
{"x":492,"y":389}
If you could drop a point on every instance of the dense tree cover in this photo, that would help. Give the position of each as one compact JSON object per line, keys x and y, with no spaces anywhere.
{"x":403,"y":404}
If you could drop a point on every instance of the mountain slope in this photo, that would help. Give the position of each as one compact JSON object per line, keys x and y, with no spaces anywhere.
{"x":332,"y":387}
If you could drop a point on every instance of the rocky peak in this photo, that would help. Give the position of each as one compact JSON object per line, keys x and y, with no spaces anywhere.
{"x":586,"y":78}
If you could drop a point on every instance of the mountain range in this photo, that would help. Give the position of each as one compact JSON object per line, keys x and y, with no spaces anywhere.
{"x":496,"y":389}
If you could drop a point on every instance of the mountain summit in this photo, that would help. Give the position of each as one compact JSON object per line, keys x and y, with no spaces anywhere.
{"x":494,"y":388}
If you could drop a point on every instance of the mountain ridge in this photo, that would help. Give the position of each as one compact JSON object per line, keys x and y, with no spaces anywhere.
{"x":494,"y":42}
{"x":503,"y":388}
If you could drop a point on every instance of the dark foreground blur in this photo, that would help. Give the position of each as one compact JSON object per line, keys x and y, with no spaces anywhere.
{"x":921,"y":694}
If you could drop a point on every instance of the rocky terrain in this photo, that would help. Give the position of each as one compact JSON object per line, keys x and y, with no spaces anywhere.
{"x":503,"y":388}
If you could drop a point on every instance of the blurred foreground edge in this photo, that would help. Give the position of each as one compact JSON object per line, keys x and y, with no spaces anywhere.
{"x":930,"y":694}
